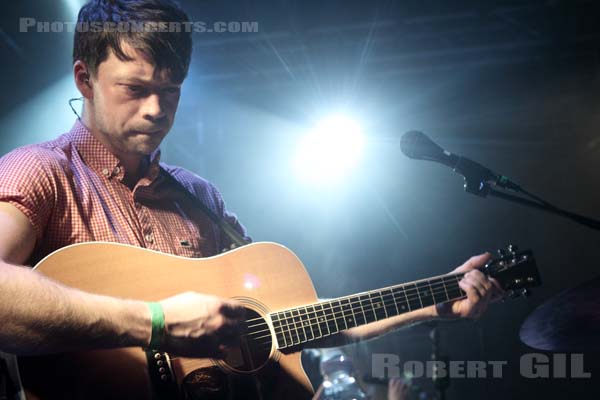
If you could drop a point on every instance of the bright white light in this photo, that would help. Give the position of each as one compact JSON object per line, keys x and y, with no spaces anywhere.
{"x":331,"y":150}
{"x":251,"y":281}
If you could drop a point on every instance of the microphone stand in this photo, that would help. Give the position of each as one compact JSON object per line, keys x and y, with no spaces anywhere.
{"x":580,"y":219}
{"x":477,"y":181}
{"x":441,"y":382}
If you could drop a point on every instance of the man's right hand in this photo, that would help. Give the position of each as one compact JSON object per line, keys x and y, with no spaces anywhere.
{"x":199,"y":325}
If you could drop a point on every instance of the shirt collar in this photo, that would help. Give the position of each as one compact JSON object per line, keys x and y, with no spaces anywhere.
{"x":100,"y":159}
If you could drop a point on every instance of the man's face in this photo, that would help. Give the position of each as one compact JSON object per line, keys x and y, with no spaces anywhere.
{"x":133,"y":106}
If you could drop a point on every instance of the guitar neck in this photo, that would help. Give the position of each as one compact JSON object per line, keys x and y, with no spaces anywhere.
{"x":302,"y":325}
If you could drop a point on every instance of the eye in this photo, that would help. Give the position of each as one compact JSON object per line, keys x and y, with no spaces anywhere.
{"x":171,"y":90}
{"x":133,"y":89}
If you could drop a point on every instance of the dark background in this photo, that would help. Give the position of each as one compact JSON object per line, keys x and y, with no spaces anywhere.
{"x":511,"y":84}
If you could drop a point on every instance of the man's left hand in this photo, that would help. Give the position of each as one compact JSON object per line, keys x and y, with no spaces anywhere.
{"x":480,"y":291}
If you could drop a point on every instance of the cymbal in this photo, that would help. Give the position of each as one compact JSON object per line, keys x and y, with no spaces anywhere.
{"x":570,"y":321}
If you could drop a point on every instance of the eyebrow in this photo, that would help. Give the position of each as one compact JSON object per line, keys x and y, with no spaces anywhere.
{"x":138,"y":81}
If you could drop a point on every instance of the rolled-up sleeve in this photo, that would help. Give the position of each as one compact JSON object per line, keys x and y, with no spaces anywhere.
{"x":27,"y":182}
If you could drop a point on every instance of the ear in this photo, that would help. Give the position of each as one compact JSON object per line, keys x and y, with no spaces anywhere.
{"x":83,"y":80}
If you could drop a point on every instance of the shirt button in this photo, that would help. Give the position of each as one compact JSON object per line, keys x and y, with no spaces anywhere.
{"x":106,"y":172}
{"x":149,"y":238}
{"x":116,"y":170}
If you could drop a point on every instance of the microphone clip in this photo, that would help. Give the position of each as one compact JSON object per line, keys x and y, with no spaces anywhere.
{"x":477,"y":177}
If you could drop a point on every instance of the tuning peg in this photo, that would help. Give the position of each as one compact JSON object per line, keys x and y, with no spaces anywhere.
{"x":501,"y":253}
{"x":512,"y":248}
{"x":525,"y":292}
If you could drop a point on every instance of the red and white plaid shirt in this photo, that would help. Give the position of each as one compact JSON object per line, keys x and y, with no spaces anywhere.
{"x":71,"y":190}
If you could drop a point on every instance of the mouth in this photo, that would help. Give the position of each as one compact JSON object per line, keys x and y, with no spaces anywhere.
{"x":148,"y":132}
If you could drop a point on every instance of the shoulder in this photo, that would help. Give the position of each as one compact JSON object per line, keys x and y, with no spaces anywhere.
{"x":30,"y":179}
{"x":47,"y":157}
{"x":34,"y":161}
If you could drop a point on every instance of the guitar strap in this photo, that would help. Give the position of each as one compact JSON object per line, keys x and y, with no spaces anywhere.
{"x":225,"y":226}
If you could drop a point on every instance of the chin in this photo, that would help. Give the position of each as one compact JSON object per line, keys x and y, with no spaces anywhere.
{"x":146,"y":150}
{"x":146,"y":147}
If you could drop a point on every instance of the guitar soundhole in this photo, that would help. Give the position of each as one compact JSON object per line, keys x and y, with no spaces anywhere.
{"x":255,"y":346}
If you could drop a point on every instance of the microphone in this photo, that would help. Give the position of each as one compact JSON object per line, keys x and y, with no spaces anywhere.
{"x":418,"y":146}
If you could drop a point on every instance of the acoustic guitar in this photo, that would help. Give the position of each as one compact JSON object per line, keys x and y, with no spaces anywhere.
{"x":283,"y":316}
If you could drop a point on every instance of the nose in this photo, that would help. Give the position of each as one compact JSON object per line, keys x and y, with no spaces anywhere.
{"x":153,"y":109}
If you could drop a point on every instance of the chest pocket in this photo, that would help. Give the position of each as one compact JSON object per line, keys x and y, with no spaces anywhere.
{"x":188,"y":247}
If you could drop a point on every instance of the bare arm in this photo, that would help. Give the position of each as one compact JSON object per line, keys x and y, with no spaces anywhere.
{"x":42,"y":316}
{"x":376,"y":329}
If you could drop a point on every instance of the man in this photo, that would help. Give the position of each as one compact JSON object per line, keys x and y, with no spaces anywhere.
{"x":103,"y":181}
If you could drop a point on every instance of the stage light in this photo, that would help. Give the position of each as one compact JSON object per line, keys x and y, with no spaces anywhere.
{"x":330,"y":150}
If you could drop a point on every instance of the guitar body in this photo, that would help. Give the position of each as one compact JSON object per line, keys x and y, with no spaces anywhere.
{"x":265,"y":277}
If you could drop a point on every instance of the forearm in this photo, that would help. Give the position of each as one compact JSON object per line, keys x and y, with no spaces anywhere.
{"x":42,"y":316}
{"x":376,"y":329}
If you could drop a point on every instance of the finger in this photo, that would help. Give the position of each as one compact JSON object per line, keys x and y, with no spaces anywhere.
{"x":232,"y":309}
{"x":475,"y":285}
{"x":472,"y":293}
{"x":474,"y":262}
{"x":481,"y":279}
{"x":478,"y":306}
{"x":232,"y":327}
{"x":477,"y":303}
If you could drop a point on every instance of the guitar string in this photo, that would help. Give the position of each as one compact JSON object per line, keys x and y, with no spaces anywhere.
{"x":410,"y":295}
{"x":296,"y":329}
{"x":356,"y":305}
{"x":438,"y":281}
{"x":337,"y":314}
{"x":392,"y":288}
{"x":295,"y":338}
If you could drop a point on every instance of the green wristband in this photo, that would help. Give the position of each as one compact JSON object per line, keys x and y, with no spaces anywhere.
{"x":158,"y":325}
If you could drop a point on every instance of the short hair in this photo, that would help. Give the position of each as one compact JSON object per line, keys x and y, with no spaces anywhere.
{"x":169,"y":51}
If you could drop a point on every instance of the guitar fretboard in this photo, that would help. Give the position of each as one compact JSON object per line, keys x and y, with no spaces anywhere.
{"x":297,"y":326}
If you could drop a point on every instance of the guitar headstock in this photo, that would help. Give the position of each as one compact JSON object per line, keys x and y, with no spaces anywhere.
{"x":515,"y":270}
